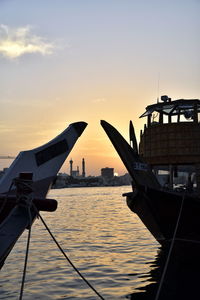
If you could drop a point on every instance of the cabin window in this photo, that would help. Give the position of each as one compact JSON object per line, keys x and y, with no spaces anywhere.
{"x":176,"y":177}
{"x":51,"y":152}
{"x":185,"y":178}
{"x":162,"y":174}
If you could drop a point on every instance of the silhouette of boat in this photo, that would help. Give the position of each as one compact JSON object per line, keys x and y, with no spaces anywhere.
{"x":165,"y":170}
{"x":24,"y":186}
{"x":181,"y":278}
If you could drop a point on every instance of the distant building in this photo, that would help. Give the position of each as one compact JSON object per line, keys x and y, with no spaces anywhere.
{"x":83,"y":167}
{"x":71,"y":167}
{"x":107,"y":173}
{"x":76,"y":173}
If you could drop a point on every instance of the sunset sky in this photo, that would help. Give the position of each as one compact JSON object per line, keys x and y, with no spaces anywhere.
{"x":85,"y":60}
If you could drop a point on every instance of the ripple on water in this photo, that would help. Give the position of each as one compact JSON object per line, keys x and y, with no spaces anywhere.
{"x":105,"y":241}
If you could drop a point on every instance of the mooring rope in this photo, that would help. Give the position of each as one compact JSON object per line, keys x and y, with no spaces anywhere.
{"x":54,"y":239}
{"x":24,"y":197}
{"x":67,"y":258}
{"x":26,"y":256}
{"x":170,"y":251}
{"x":27,"y":187}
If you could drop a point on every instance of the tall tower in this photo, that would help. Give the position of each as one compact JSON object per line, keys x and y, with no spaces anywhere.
{"x":77,"y":172}
{"x":83,"y":167}
{"x":71,"y":167}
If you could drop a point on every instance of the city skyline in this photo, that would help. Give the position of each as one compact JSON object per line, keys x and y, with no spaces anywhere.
{"x":75,"y":171}
{"x":82,"y":170}
{"x":69,"y":167}
{"x":91,"y":60}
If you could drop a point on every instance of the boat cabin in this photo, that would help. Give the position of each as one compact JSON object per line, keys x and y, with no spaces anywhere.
{"x":170,"y":143}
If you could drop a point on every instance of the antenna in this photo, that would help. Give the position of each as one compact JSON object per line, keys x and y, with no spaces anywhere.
{"x":158,"y":87}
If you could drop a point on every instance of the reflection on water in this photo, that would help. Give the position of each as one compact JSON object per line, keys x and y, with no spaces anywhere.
{"x":108,"y":244}
{"x":181,"y":280}
{"x":102,"y":237}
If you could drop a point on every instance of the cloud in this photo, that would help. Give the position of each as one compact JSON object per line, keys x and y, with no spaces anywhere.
{"x":99,"y":100}
{"x":5,"y":128}
{"x":15,"y":42}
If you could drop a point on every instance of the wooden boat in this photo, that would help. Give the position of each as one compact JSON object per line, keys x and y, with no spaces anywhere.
{"x":166,"y":170}
{"x":24,"y":186}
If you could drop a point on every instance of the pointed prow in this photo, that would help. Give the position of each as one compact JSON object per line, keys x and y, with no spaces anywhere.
{"x":44,"y":161}
{"x":138,"y":170}
{"x":133,"y":140}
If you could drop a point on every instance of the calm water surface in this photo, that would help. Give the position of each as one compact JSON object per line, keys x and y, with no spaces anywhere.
{"x":103,"y":238}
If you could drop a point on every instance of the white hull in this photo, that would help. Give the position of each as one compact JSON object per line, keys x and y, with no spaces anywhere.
{"x":44,"y":162}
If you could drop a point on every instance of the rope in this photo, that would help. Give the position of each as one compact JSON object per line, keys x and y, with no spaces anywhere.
{"x":170,"y":251}
{"x":24,"y":199}
{"x":26,"y":256}
{"x":67,"y":258}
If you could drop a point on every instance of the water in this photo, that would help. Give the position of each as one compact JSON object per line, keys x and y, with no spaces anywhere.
{"x":103,"y":238}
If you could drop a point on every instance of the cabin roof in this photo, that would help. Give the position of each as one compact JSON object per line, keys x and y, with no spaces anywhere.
{"x":175,"y":107}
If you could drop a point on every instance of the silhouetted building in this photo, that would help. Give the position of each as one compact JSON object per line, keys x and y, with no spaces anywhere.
{"x":76,"y":173}
{"x":83,"y":167}
{"x":107,"y":173}
{"x":71,"y":167}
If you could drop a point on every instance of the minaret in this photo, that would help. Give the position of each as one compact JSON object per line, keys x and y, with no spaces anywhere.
{"x":77,"y":172}
{"x":83,"y":167}
{"x":71,"y":167}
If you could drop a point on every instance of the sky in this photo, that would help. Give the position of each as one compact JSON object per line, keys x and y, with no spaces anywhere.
{"x":85,"y":60}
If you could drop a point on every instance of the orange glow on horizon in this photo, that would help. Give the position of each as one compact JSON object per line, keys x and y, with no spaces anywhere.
{"x":93,"y":62}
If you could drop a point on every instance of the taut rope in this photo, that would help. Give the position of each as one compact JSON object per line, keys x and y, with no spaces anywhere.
{"x":26,"y":257}
{"x":67,"y":258}
{"x":170,"y":250}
